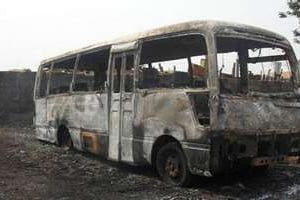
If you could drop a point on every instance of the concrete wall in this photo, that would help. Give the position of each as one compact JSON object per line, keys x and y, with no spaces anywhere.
{"x":16,"y":96}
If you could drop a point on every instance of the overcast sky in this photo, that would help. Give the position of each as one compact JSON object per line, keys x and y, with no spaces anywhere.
{"x":34,"y":30}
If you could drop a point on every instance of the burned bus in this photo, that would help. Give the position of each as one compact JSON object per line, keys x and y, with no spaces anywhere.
{"x":196,"y":98}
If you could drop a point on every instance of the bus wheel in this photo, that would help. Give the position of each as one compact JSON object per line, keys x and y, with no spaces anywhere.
{"x":64,"y":138}
{"x":172,"y":166}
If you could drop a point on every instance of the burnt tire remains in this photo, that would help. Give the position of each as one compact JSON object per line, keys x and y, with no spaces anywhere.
{"x":172,"y":166}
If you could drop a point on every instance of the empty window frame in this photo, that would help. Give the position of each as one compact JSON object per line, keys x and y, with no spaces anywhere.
{"x":91,"y":72}
{"x":129,"y":73}
{"x":174,"y":62}
{"x":43,"y":81}
{"x":61,"y":76}
{"x":123,"y":66}
{"x":117,"y":74}
{"x":247,"y":65}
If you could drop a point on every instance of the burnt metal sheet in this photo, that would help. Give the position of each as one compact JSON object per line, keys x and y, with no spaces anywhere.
{"x":257,"y":115}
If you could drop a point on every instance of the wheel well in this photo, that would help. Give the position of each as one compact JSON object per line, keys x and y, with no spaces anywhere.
{"x":160,"y":142}
{"x":62,"y":134}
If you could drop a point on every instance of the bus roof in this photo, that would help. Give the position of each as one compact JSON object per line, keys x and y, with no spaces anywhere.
{"x":203,"y":26}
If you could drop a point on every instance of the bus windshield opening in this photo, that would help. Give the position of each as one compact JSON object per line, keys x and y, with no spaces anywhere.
{"x":246,"y":65}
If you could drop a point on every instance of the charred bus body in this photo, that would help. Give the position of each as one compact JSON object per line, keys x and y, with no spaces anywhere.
{"x":193,"y":98}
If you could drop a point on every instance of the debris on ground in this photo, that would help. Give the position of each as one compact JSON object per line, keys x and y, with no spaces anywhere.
{"x":31,"y":169}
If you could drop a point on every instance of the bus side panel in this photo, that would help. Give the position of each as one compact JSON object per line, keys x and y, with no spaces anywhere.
{"x":161,"y":114}
{"x":58,"y":113}
{"x":85,"y":115}
{"x":90,"y":113}
{"x":41,"y":123}
{"x":126,"y":127}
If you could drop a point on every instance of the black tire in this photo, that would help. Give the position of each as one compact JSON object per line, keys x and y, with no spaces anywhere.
{"x":171,"y":164}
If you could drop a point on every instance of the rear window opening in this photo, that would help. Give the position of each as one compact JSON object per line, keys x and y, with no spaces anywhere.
{"x":44,"y":77}
{"x":251,"y":66}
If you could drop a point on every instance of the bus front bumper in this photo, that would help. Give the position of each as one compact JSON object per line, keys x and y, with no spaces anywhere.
{"x":270,"y":161}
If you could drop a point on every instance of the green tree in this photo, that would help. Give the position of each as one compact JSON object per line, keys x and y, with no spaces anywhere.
{"x":293,"y":11}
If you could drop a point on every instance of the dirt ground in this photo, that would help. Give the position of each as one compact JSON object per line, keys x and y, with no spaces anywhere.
{"x":30,"y":169}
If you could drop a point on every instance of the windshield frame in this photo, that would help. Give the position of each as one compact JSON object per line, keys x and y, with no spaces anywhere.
{"x":259,"y":37}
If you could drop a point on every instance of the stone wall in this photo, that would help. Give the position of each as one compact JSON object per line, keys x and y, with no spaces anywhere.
{"x":16,"y":96}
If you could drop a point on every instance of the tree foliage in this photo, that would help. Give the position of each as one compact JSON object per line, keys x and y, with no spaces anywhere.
{"x":293,"y":11}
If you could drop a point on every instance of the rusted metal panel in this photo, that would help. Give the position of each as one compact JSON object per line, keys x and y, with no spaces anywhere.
{"x":91,"y":142}
{"x":269,"y":161}
{"x":76,"y":112}
{"x":165,"y":113}
{"x":258,"y":115}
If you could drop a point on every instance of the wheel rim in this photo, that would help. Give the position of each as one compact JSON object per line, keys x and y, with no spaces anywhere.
{"x":173,"y":168}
